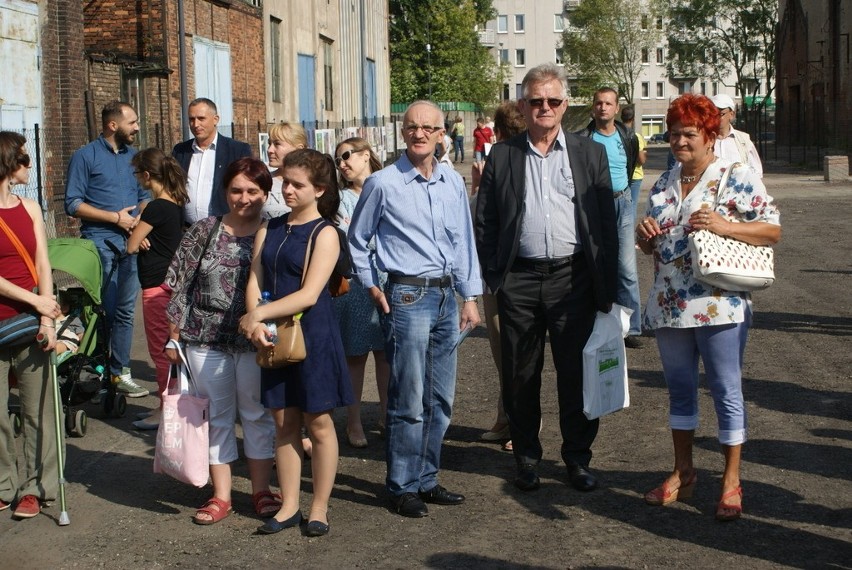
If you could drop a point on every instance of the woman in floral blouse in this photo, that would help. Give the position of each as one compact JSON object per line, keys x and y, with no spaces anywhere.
{"x":208,"y":278}
{"x":692,"y":319}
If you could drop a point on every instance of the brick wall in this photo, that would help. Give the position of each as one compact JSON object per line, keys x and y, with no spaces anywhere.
{"x":63,"y":80}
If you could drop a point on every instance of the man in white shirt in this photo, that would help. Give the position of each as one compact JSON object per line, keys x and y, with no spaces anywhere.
{"x":205,"y":159}
{"x":732,"y":144}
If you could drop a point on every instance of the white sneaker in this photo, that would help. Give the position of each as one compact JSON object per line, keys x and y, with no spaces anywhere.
{"x":125,"y":384}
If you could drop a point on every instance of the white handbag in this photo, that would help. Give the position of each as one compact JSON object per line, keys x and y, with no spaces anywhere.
{"x":727,"y":263}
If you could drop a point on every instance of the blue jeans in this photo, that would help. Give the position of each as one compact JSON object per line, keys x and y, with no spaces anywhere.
{"x":458,"y":145}
{"x":635,"y":189}
{"x":421,"y":331}
{"x":721,"y":349}
{"x":627,"y":290}
{"x":119,"y":299}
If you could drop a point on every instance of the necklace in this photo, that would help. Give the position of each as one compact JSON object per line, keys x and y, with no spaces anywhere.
{"x":688,"y":179}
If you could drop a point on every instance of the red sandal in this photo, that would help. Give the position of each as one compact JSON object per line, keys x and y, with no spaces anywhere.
{"x":266,"y":503}
{"x":726,"y":512}
{"x":216,"y":509}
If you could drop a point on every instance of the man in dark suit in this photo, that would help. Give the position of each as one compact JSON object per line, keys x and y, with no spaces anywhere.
{"x":205,"y":159}
{"x":547,"y":241}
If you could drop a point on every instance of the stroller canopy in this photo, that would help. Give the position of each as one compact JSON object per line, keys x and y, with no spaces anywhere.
{"x":79,"y":258}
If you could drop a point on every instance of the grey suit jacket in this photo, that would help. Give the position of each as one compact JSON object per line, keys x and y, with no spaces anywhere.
{"x":500,"y":209}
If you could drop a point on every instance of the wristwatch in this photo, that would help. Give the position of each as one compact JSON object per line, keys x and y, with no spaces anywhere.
{"x":469,"y":299}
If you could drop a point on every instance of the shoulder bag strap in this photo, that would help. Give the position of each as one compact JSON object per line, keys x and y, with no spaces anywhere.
{"x":25,"y":255}
{"x":213,"y":231}
{"x":308,"y":250}
{"x":723,"y":181}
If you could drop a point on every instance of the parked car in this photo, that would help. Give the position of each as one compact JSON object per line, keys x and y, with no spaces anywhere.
{"x":659,"y":138}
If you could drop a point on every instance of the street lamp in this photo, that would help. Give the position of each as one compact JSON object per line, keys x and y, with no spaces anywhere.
{"x":429,"y":67}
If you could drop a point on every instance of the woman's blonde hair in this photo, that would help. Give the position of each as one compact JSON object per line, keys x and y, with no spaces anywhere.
{"x":357,"y":144}
{"x":291,"y":133}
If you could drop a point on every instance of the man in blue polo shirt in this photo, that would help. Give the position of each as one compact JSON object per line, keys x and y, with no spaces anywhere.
{"x":103,"y":193}
{"x":622,"y":151}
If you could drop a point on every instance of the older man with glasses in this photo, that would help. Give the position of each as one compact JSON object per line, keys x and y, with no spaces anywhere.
{"x":732,"y":144}
{"x":546,"y":235}
{"x":417,"y":212}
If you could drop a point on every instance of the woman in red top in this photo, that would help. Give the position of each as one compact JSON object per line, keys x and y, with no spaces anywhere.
{"x":482,"y":135}
{"x":20,"y":293}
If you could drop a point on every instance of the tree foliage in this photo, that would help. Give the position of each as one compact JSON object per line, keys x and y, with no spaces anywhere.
{"x":458,"y":67}
{"x":604,"y":42}
{"x":731,"y":41}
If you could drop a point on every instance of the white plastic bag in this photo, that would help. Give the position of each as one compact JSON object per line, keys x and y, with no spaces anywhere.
{"x":605,"y":364}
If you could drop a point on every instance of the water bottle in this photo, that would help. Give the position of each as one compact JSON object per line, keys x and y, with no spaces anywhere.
{"x":271,"y":329}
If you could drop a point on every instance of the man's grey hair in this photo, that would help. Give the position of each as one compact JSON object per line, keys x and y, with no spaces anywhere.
{"x":428,"y":103}
{"x":543,"y":73}
{"x":204,"y":101}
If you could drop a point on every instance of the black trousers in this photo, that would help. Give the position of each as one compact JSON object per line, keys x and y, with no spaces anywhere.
{"x":531,"y":304}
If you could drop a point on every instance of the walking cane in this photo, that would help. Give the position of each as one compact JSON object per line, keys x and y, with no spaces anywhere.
{"x":57,"y":414}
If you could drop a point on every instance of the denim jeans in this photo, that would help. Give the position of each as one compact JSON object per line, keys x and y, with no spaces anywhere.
{"x":119,"y":300}
{"x":635,"y":190}
{"x":458,"y":145}
{"x":721,"y":349}
{"x":627,"y":291}
{"x":421,"y":331}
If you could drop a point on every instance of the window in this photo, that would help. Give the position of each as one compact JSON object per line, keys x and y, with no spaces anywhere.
{"x":646,"y":89}
{"x":575,"y":91}
{"x":505,"y":91}
{"x":519,"y":23}
{"x":557,"y":56}
{"x":212,"y":62}
{"x":558,"y":23}
{"x":660,"y":56}
{"x":703,"y":88}
{"x":644,"y":21}
{"x":275,"y":57}
{"x":328,"y":73}
{"x":659,"y":22}
{"x":645,"y":57}
{"x":715,"y":88}
{"x":520,"y":58}
{"x":660,"y":90}
{"x":684,"y":87}
{"x":519,"y":92}
{"x":504,"y":56}
{"x":502,"y":24}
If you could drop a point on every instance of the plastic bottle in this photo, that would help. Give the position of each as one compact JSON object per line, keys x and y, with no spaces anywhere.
{"x":271,"y":329}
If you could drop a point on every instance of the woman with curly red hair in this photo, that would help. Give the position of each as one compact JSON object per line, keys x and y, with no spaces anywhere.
{"x":693,"y":320}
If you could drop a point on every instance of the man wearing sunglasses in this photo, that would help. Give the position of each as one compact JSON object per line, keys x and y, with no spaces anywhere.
{"x":417,"y":214}
{"x":622,"y":151}
{"x":546,"y":236}
{"x":730,"y":143}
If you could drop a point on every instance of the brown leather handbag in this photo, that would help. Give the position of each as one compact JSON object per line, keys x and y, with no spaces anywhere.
{"x":290,"y":347}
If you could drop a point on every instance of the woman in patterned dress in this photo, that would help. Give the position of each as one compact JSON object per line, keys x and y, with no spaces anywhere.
{"x":693,"y":320}
{"x":359,"y":319}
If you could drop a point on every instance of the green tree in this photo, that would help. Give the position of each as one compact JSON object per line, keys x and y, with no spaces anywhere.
{"x":606,"y":41}
{"x":730,"y":41}
{"x":435,"y":52}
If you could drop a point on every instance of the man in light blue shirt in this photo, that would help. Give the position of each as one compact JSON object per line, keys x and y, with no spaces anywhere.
{"x":103,"y":192}
{"x":417,"y":212}
{"x":622,"y":151}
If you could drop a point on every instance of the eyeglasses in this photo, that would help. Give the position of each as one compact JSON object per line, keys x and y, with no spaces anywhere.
{"x":345,"y":156}
{"x":24,"y":160}
{"x":538,"y":102}
{"x":428,"y":129}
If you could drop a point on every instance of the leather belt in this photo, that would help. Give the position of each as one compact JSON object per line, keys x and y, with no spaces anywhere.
{"x":545,"y":265}
{"x":617,"y":195}
{"x":442,"y":282}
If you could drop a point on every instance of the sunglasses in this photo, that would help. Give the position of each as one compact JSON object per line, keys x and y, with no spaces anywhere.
{"x":345,"y":156}
{"x":24,"y":160}
{"x":538,"y":102}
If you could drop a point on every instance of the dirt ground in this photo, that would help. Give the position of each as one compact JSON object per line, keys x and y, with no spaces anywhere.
{"x":796,"y":471}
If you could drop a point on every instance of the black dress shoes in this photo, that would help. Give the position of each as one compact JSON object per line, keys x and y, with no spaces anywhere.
{"x":581,"y":478}
{"x":440,"y":496}
{"x":273,"y":526}
{"x":527,"y":478}
{"x":316,"y":528}
{"x":410,"y":505}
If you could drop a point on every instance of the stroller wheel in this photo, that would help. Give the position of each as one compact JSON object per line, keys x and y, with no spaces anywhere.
{"x":15,"y":420}
{"x":79,"y":423}
{"x":119,"y":406}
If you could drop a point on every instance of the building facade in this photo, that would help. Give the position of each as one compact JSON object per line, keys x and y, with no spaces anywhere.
{"x":526,"y":34}
{"x":814,"y":89}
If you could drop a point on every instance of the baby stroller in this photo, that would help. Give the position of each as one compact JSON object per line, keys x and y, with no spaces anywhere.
{"x":84,"y":375}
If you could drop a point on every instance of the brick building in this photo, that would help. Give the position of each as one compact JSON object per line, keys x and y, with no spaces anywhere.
{"x":814,"y":87}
